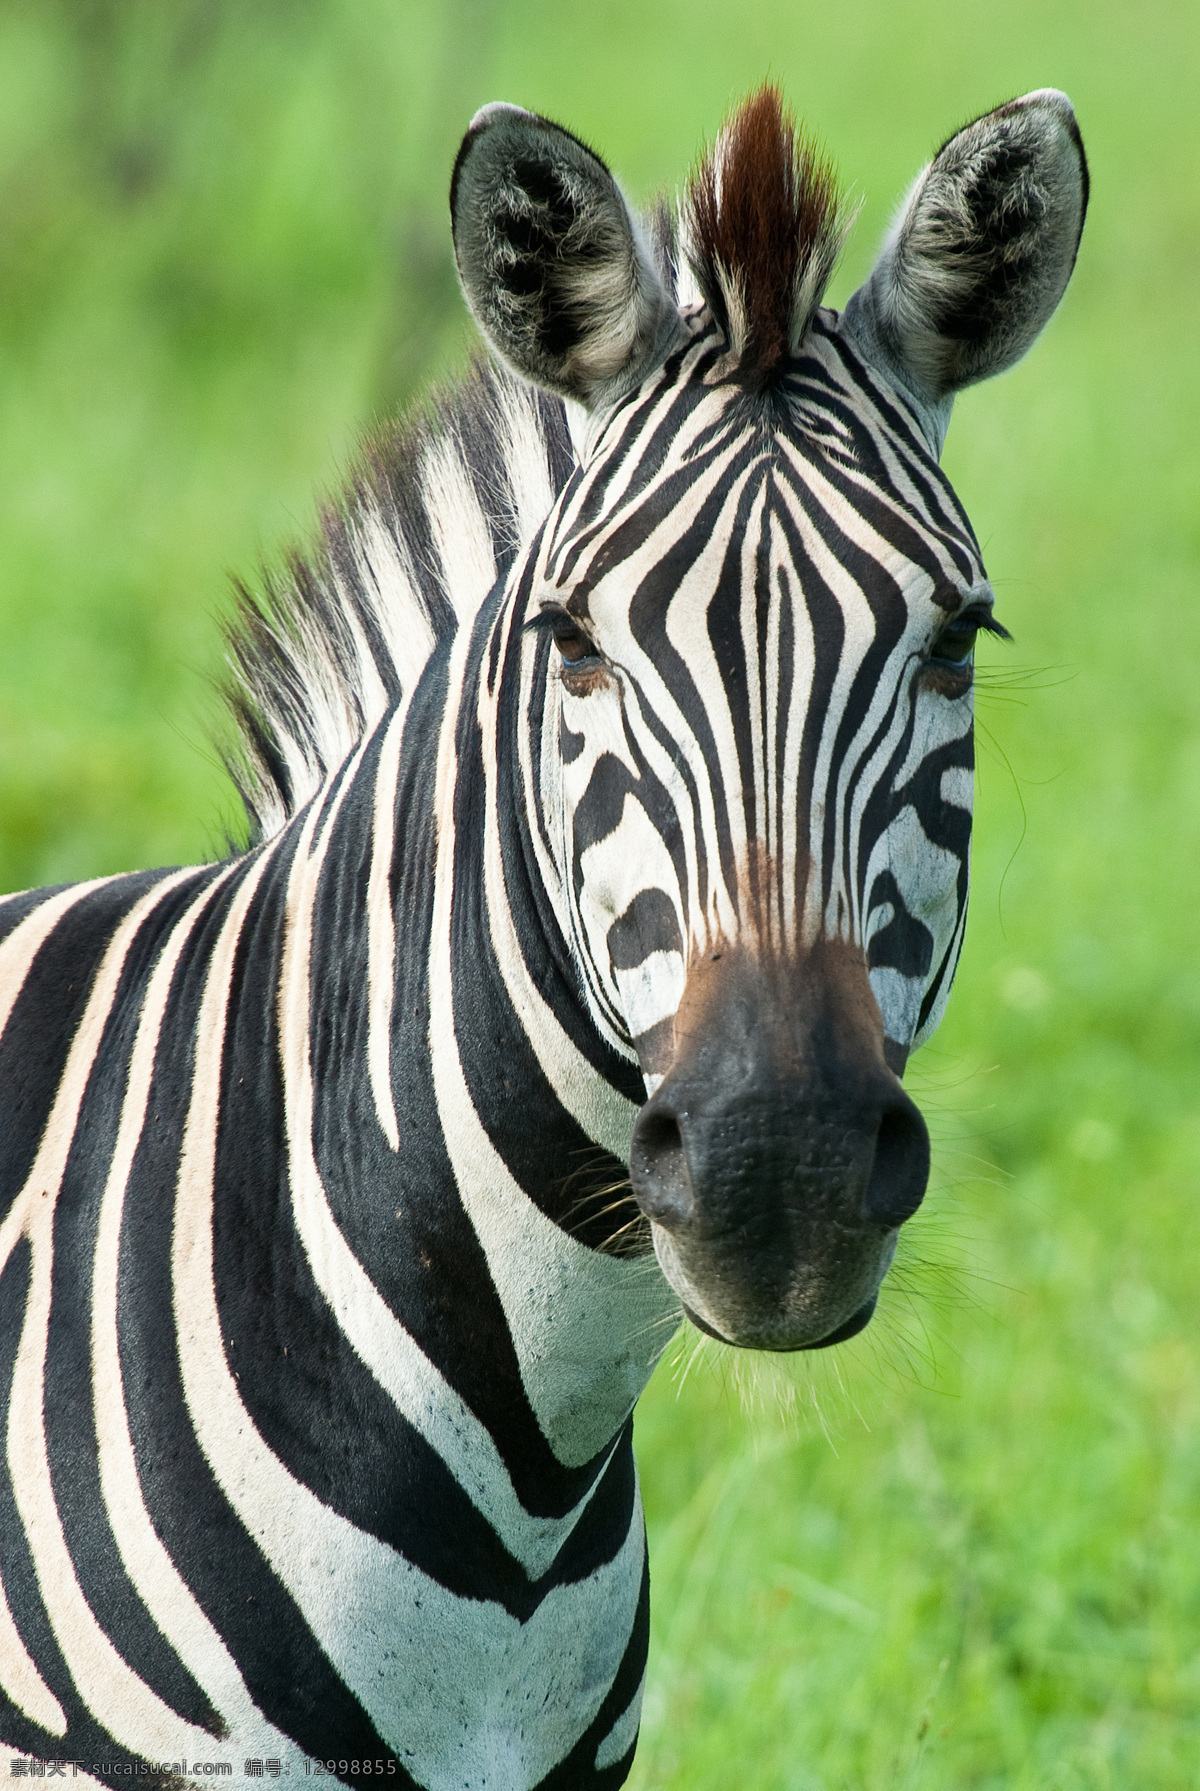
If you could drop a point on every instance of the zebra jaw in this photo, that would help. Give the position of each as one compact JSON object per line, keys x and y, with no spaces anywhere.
{"x":779,"y":1155}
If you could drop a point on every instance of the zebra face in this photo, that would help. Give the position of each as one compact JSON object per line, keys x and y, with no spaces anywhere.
{"x":764,"y":719}
{"x":762,"y":599}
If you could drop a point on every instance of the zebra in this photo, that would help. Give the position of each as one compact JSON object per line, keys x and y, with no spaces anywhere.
{"x":608,"y":764}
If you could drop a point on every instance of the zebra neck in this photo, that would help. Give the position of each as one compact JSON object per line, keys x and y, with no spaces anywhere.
{"x":527,"y":1094}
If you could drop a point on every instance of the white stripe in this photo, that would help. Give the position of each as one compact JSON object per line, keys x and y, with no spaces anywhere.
{"x":381,"y":927}
{"x":748,"y":619}
{"x":19,"y":948}
{"x":384,"y":564}
{"x":859,"y":632}
{"x":18,"y":1674}
{"x":360,"y":672}
{"x":687,"y":631}
{"x":615,"y":870}
{"x":603,"y":1114}
{"x":776,"y":559}
{"x":460,"y":530}
{"x":957,"y":787}
{"x":652,"y":990}
{"x":623,"y":1734}
{"x":21,"y":1679}
{"x":525,"y":463}
{"x":951,"y":719}
{"x":543,"y":796}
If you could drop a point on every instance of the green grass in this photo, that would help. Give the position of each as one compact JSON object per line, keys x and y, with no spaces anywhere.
{"x":961,"y":1551}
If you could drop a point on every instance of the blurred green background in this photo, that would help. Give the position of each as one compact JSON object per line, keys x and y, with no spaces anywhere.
{"x":962,"y":1551}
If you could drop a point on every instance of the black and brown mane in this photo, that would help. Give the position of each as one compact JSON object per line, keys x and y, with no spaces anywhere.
{"x":763,"y":224}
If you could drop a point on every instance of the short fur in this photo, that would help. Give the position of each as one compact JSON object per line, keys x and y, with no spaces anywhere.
{"x":764,"y":225}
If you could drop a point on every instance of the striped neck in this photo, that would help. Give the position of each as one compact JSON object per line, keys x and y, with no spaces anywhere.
{"x":523,"y":1082}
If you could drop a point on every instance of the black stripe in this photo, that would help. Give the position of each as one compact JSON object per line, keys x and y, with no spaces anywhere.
{"x":314,"y":1402}
{"x":538,"y":929}
{"x":579,"y":1768}
{"x":16,"y":1563}
{"x":543,"y":1146}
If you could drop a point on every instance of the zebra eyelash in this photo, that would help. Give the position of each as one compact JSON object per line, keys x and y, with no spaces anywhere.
{"x":954,"y":643}
{"x":547,"y":616}
{"x":987,"y":624}
{"x":565,"y":629}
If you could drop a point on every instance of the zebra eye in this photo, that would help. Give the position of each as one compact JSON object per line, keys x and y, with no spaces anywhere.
{"x":956,"y":642}
{"x":573,"y":644}
{"x":570,"y":639}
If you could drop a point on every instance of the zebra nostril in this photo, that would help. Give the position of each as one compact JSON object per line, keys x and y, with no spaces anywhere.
{"x":659,"y":1169}
{"x":900,"y":1171}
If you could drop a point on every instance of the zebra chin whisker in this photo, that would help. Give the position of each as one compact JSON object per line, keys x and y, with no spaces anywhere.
{"x":667,"y":1324}
{"x":931,"y":1286}
{"x":583,"y":1205}
{"x":631,"y":1241}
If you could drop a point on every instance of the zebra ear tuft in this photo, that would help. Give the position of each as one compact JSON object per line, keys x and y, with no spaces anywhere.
{"x":982,"y":251}
{"x":553,"y":265}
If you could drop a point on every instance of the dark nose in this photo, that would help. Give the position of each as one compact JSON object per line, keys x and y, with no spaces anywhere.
{"x":779,"y":1153}
{"x":899,"y":1168}
{"x":658,"y":1167}
{"x":779,"y":1110}
{"x":870,"y":1157}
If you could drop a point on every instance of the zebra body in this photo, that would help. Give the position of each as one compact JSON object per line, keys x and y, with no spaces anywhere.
{"x":631,"y":760}
{"x":309,"y":1461}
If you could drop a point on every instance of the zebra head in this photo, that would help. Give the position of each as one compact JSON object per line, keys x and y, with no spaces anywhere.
{"x":751,"y":617}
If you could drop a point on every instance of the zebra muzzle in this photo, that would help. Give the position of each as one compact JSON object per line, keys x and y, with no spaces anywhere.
{"x":780,"y":1154}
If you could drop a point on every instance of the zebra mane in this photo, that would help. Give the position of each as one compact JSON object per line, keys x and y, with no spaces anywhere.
{"x":437,"y":508}
{"x":763,"y":225}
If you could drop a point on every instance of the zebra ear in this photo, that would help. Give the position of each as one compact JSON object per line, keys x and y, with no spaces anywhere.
{"x":554,"y":267}
{"x":982,"y":250}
